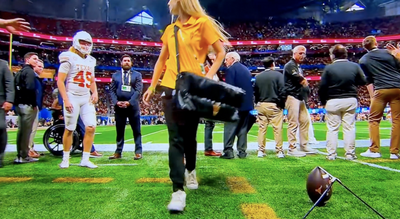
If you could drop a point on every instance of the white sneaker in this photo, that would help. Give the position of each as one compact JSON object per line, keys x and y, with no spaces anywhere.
{"x":64,"y":164}
{"x":309,"y":150}
{"x":87,"y":164}
{"x":394,"y":156}
{"x":295,"y":153}
{"x":368,"y":153}
{"x":178,"y":201}
{"x":280,"y":154}
{"x":191,"y":180}
{"x":261,"y":154}
{"x":351,"y":157}
{"x":331,"y":157}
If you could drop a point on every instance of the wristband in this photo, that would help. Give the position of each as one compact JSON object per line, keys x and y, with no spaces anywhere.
{"x":153,"y":90}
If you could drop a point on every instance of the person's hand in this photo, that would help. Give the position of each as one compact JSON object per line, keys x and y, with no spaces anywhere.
{"x":94,"y":98}
{"x":392,"y":49}
{"x":147,"y":96}
{"x":304,"y":82}
{"x":68,"y":106}
{"x":126,"y":104}
{"x":15,"y":25}
{"x":7,"y":106}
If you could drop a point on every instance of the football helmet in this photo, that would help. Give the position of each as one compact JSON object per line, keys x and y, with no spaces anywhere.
{"x":85,"y":36}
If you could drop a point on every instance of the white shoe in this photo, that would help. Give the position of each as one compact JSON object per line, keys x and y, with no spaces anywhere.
{"x":394,"y":156}
{"x":191,"y":180}
{"x":64,"y":164}
{"x":178,"y":201}
{"x":295,"y":153}
{"x":351,"y":157}
{"x":368,"y":153}
{"x":261,"y":154}
{"x":309,"y":150}
{"x":280,"y":154}
{"x":87,"y":164}
{"x":331,"y":157}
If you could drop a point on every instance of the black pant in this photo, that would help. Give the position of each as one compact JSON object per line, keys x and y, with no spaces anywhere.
{"x":3,"y":133}
{"x":182,"y":129}
{"x":239,"y":129}
{"x":133,"y":114}
{"x":208,"y":146}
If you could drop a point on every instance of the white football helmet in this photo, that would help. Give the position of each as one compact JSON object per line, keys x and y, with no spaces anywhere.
{"x":85,"y":36}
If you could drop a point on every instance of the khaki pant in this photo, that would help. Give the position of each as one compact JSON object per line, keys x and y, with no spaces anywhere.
{"x":269,"y":113}
{"x":297,"y":117}
{"x":341,"y":111}
{"x":378,"y":103}
{"x":34,"y":129}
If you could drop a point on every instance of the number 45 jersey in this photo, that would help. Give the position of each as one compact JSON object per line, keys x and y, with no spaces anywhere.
{"x":81,"y":72}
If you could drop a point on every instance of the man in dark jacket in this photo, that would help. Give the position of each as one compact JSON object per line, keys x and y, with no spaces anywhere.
{"x":238,"y":75}
{"x":6,"y":103}
{"x":382,"y":71}
{"x":270,"y":100}
{"x":26,"y":106}
{"x":295,"y":82}
{"x":338,"y":93}
{"x":126,"y":87}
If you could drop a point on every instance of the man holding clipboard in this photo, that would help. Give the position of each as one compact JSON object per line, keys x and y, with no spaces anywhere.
{"x":126,"y":87}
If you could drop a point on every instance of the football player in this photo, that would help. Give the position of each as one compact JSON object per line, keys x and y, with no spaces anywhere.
{"x":77,"y":86}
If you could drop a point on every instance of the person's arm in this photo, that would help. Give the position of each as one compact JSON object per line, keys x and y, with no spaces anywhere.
{"x":323,"y":87}
{"x":62,"y":75}
{"x":369,"y":77}
{"x":93,"y":89}
{"x":113,"y":90}
{"x":9,"y":88}
{"x":138,"y":87}
{"x":14,"y":25}
{"x":230,"y":76}
{"x":256,"y":92}
{"x":282,"y":92}
{"x":292,"y":73}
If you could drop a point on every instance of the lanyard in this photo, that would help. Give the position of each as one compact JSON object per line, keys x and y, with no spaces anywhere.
{"x":129,"y":77}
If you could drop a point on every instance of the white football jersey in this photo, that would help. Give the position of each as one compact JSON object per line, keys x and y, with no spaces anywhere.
{"x":81,"y":73}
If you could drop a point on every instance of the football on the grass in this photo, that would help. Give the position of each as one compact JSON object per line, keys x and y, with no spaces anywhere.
{"x":318,"y":181}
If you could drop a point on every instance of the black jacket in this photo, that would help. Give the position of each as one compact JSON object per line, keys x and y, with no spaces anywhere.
{"x":340,"y":80}
{"x":269,"y":87}
{"x":293,"y":76}
{"x":25,"y":86}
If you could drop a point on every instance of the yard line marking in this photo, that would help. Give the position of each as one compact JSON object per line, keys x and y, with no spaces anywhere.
{"x":82,"y":180}
{"x":368,"y":164}
{"x":154,"y":180}
{"x":14,"y":179}
{"x":239,"y":185}
{"x":152,"y":133}
{"x":112,"y":164}
{"x":257,"y":137}
{"x":258,"y":211}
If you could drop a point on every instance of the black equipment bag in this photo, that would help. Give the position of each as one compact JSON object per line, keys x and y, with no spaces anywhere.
{"x":210,"y":99}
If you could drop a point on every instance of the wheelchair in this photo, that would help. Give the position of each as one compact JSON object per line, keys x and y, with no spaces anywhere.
{"x":53,"y":136}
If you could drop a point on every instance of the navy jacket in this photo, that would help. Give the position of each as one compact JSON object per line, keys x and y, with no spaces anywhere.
{"x":239,"y":76}
{"x":136,"y":88}
{"x":39,"y":92}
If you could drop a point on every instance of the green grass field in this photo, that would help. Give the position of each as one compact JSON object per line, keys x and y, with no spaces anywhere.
{"x":277,"y":184}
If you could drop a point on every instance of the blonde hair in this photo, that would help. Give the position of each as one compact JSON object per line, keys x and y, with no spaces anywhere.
{"x":193,"y":8}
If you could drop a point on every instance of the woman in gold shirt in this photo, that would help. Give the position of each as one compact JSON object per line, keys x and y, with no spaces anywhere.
{"x":197,"y":31}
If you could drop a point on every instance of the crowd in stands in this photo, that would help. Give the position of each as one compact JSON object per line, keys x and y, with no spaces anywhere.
{"x":144,"y":57}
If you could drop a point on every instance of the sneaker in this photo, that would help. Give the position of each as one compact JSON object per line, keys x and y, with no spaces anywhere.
{"x":394,"y":156}
{"x":368,"y":153}
{"x":64,"y":164}
{"x":28,"y":160}
{"x":261,"y":154}
{"x":17,"y":160}
{"x":191,"y":180}
{"x":178,"y":201}
{"x":351,"y":157}
{"x":295,"y":153}
{"x":331,"y":157}
{"x":280,"y":154}
{"x":309,"y":150}
{"x":87,"y":164}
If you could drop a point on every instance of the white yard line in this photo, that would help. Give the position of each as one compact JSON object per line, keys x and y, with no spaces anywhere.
{"x":152,"y":133}
{"x":368,"y":164}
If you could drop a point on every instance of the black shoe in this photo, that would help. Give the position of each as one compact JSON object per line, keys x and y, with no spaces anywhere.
{"x":227,"y":156}
{"x":242,"y":155}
